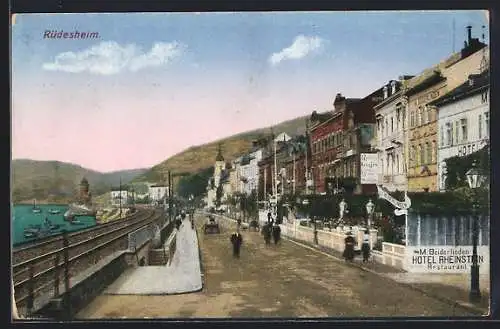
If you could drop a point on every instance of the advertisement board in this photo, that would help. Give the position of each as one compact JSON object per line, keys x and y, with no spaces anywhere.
{"x":445,"y":259}
{"x":369,"y":168}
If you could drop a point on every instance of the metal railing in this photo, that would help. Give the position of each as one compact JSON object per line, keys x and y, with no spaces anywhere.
{"x":38,"y":280}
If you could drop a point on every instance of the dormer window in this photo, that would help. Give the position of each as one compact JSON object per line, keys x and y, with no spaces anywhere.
{"x":471,"y":82}
{"x":385,"y":92}
{"x":393,"y":87}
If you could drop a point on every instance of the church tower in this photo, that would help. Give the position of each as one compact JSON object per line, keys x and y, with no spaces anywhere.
{"x":219,"y":166}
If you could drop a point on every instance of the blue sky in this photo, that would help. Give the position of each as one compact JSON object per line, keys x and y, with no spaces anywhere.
{"x":222,"y":72}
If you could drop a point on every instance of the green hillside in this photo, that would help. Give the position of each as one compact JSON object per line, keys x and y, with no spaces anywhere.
{"x":198,"y":158}
{"x":56,"y":181}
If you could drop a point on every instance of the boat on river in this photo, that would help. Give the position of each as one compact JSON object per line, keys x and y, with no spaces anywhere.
{"x":36,"y":209}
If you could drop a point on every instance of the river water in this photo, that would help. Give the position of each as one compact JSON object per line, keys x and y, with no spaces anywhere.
{"x":23,"y":217}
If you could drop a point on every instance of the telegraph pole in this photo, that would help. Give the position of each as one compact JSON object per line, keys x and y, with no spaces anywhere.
{"x":169,"y":196}
{"x":120,"y":197}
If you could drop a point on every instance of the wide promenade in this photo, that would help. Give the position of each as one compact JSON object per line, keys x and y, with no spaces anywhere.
{"x":286,"y":280}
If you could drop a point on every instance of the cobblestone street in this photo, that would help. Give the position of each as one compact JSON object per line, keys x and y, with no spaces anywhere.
{"x":287,"y":280}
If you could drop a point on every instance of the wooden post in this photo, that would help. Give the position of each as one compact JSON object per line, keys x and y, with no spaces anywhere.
{"x":67,"y":292}
{"x":57,"y":273}
{"x":31,"y":291}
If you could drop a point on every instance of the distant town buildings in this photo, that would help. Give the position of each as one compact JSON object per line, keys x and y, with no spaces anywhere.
{"x":119,"y":196}
{"x":157,"y":193}
{"x":398,"y":136}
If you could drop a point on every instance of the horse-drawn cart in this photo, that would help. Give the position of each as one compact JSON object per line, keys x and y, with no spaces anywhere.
{"x":211,"y":226}
{"x":254,"y":226}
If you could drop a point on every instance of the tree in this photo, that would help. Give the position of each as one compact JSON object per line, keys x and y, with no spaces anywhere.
{"x":195,"y":184}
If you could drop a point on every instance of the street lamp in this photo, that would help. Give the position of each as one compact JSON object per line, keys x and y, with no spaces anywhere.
{"x":475,"y":178}
{"x":370,"y":207}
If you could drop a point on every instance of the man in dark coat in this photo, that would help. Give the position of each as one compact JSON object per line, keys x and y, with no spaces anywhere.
{"x":266,"y":232}
{"x":349,"y":247}
{"x":276,"y":233}
{"x":236,"y":241}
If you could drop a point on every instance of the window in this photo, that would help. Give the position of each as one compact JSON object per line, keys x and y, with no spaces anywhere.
{"x":484,"y":97}
{"x":419,"y":157}
{"x":442,"y":136}
{"x":429,"y":153}
{"x":429,"y":114}
{"x":412,"y":119}
{"x":420,"y":116}
{"x":456,"y":133}
{"x":434,"y":152}
{"x":393,"y":164}
{"x":449,"y":133}
{"x":487,"y":124}
{"x":463,"y":125}
{"x":397,"y":163}
{"x":393,"y":87}
{"x":412,"y":156}
{"x":386,"y":128}
{"x":480,"y":126}
{"x":392,"y":125}
{"x":403,"y":117}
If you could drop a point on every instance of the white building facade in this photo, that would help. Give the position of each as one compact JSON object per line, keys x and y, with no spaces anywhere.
{"x":249,"y":172}
{"x":463,"y":122}
{"x":116,"y":195}
{"x":391,"y":138}
{"x":157,"y":192}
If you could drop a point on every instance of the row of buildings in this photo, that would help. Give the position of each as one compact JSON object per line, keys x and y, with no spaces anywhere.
{"x":155,"y":194}
{"x":398,"y":136}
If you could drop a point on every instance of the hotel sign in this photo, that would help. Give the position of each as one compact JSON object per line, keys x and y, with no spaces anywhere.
{"x":445,"y":259}
{"x":467,"y":149}
{"x":369,"y":166}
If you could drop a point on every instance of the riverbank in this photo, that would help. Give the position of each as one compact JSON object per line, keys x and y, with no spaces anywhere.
{"x":58,"y":202}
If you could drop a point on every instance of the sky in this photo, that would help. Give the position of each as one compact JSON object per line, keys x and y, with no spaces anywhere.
{"x":150,"y":85}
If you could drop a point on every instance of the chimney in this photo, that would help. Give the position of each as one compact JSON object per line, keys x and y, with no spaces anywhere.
{"x":469,"y":35}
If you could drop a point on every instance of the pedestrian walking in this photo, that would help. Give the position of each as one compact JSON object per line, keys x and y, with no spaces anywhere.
{"x":236,"y":241}
{"x":266,"y":232}
{"x":349,"y":247}
{"x":276,"y":233}
{"x":365,"y":247}
{"x":269,"y":218}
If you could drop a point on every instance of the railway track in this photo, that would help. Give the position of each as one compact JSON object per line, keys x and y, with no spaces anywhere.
{"x":37,"y":248}
{"x":83,"y":250}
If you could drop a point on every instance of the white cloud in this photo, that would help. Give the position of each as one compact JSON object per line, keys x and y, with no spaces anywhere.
{"x":301,"y":47}
{"x":109,"y":57}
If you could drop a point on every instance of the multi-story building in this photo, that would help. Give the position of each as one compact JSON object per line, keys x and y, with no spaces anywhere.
{"x":249,"y":171}
{"x":270,"y":179}
{"x":119,"y":196}
{"x":158,"y":192}
{"x":391,"y":136}
{"x":463,"y":121}
{"x":326,"y":146}
{"x":422,"y":132}
{"x":358,"y":117}
{"x":295,"y":166}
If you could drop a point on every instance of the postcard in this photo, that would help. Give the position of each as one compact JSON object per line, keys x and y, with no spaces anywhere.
{"x":250,"y":165}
